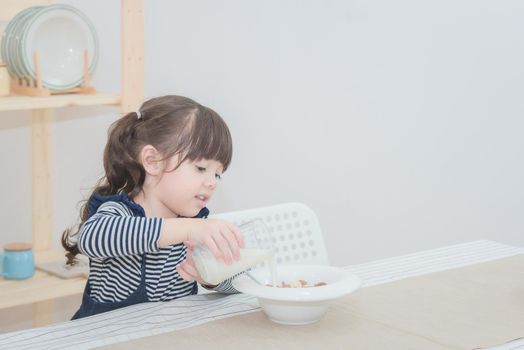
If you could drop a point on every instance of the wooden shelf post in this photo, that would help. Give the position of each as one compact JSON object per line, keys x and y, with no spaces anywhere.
{"x":132,"y":55}
{"x":42,"y":179}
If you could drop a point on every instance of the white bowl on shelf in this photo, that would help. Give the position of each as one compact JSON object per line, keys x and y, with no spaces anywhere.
{"x":60,"y":33}
{"x":298,"y":306}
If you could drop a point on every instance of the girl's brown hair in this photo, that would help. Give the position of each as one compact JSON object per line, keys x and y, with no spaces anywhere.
{"x":173,"y":125}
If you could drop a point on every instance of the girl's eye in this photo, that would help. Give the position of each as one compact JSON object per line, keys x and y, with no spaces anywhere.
{"x":201,"y":169}
{"x":218,"y":176}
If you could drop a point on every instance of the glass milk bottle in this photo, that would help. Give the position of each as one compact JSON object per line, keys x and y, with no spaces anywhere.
{"x":258,"y":249}
{"x":5,"y":81}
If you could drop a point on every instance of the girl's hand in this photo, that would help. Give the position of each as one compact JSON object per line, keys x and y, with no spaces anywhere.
{"x":221,"y":237}
{"x":188,"y":271}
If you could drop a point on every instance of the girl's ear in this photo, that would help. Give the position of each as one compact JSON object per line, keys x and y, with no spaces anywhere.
{"x":151,"y":160}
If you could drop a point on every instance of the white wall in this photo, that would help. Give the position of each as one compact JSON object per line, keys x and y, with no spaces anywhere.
{"x":399,"y":123}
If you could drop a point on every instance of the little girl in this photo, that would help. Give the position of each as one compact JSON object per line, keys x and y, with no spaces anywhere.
{"x":162,"y":164}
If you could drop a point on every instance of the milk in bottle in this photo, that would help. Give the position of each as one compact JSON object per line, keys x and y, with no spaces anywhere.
{"x":258,"y":249}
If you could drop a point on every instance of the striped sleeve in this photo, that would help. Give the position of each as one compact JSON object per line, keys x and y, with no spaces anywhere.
{"x":113,"y":231}
{"x":225,"y":287}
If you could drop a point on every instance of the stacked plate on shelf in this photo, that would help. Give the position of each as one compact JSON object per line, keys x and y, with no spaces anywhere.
{"x":60,"y":34}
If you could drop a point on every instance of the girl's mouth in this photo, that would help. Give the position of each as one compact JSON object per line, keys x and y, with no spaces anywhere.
{"x":202,"y":199}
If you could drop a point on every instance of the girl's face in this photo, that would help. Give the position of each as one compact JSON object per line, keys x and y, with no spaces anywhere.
{"x":187,"y":189}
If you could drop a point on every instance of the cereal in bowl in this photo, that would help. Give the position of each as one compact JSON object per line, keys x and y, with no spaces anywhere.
{"x":297,"y":284}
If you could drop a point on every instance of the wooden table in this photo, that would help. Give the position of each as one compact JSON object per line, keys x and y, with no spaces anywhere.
{"x":465,"y":308}
{"x":465,"y":296}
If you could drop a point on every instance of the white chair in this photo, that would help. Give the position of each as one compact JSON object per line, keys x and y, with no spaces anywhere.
{"x":294,"y":229}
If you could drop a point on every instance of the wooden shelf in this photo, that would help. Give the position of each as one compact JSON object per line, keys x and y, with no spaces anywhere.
{"x":16,"y":102}
{"x":41,"y":286}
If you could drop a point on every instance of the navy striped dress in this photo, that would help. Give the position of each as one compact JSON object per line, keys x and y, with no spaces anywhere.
{"x":116,"y":236}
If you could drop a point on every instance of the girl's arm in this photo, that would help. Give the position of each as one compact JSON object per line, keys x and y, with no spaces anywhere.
{"x":222,"y":238}
{"x":113,"y":231}
{"x":225,"y":287}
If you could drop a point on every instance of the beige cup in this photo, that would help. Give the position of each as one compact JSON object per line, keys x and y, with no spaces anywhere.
{"x":5,"y":81}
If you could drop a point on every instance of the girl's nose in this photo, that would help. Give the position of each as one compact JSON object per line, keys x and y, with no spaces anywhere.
{"x":211,"y":182}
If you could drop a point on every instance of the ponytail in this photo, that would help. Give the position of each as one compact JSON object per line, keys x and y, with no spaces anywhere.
{"x":122,"y":174}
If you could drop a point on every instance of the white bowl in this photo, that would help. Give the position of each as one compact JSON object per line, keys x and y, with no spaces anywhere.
{"x":298,"y":306}
{"x":60,"y":33}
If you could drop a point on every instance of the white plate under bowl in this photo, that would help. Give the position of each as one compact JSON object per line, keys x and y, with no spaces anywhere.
{"x":60,"y":33}
{"x":298,"y":306}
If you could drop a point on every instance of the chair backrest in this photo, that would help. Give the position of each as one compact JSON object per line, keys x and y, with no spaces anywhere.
{"x":294,"y":229}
